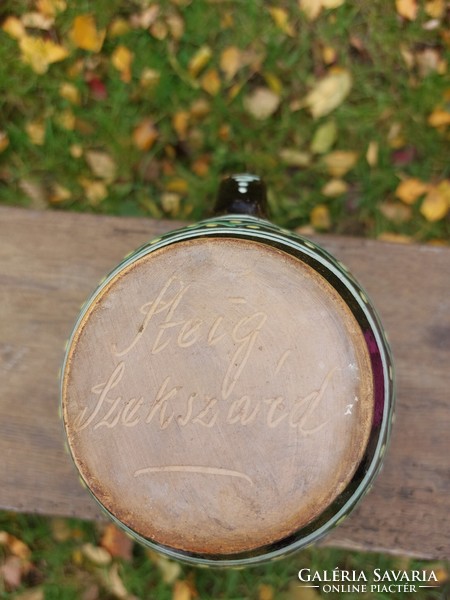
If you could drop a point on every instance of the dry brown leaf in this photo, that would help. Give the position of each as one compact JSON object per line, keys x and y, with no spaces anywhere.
{"x":224,"y":132}
{"x":118,"y":27}
{"x":199,"y":61}
{"x":51,"y":8}
{"x":311,"y":8}
{"x":396,"y":212}
{"x":181,"y":591}
{"x":329,"y":93}
{"x":334,"y":188}
{"x":338,"y":163}
{"x":121,"y":60}
{"x":265,"y":592}
{"x":39,"y":53}
{"x":324,"y":138}
{"x":13,"y":543}
{"x":117,"y":542}
{"x":145,"y":134}
{"x":372,"y":154}
{"x":436,"y":204}
{"x":210,"y":82}
{"x":70,"y":92}
{"x":435,"y":8}
{"x":101,"y":165}
{"x":60,"y":529}
{"x":36,"y":20}
{"x":36,"y":132}
{"x":280,"y":17}
{"x":176,"y":26}
{"x":230,"y":61}
{"x":409,"y":190}
{"x":439,"y":118}
{"x":261,"y":103}
{"x":4,"y":141}
{"x":201,"y":166}
{"x":407,"y":9}
{"x":85,"y":35}
{"x":13,"y":27}
{"x":180,"y":123}
{"x":295,"y":158}
{"x":320,"y":217}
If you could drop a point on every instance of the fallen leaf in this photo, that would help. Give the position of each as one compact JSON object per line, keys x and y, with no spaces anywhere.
{"x":436,"y":203}
{"x":180,"y":123}
{"x":407,"y":9}
{"x":395,"y":212}
{"x":440,"y":571}
{"x":280,"y":17}
{"x":101,"y":165}
{"x":117,"y":542}
{"x":121,"y":60}
{"x":372,"y":154}
{"x":60,"y":530}
{"x":170,"y":570}
{"x":149,"y":78}
{"x":76,"y":151}
{"x":70,"y":92}
{"x":324,"y":138}
{"x":146,"y":18}
{"x":430,"y":61}
{"x":170,"y":203}
{"x":114,"y":584}
{"x":200,"y":108}
{"x":85,"y":35}
{"x":39,"y":53}
{"x":176,"y":26}
{"x":13,"y":543}
{"x":439,"y":118}
{"x":94,"y":554}
{"x":11,"y":572}
{"x":51,"y":8}
{"x":338,"y":163}
{"x":145,"y":134}
{"x":265,"y":592}
{"x":159,"y":30}
{"x":118,"y":27}
{"x":261,"y":103}
{"x":199,"y":61}
{"x":295,"y":592}
{"x":36,"y":193}
{"x":330,"y":4}
{"x":295,"y":158}
{"x":311,"y":8}
{"x":320,"y":217}
{"x":273,"y":83}
{"x":224,"y":132}
{"x":435,"y":8}
{"x":178,"y":186}
{"x":230,"y":61}
{"x":210,"y":82}
{"x":201,"y":166}
{"x":334,"y":188}
{"x":408,"y":56}
{"x":36,"y":20}
{"x":181,"y":591}
{"x":95,"y":191}
{"x":66,"y":120}
{"x":97,"y":88}
{"x":4,"y":141}
{"x":404,"y":156}
{"x":329,"y":93}
{"x":36,"y":132}
{"x":13,"y":27}
{"x":329,"y":55}
{"x":409,"y":190}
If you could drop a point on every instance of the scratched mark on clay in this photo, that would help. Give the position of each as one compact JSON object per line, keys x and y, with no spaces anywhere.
{"x":194,"y":469}
{"x":282,"y":361}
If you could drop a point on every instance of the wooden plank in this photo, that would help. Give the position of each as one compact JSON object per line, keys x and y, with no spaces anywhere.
{"x":51,"y":261}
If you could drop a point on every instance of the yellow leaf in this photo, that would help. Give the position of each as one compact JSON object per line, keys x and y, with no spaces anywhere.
{"x":274,"y":83}
{"x":66,"y":120}
{"x":435,"y":8}
{"x":76,"y":151}
{"x":311,"y":8}
{"x":338,"y":163}
{"x":170,"y":203}
{"x":230,"y":61}
{"x":101,"y":165}
{"x":329,"y":93}
{"x":330,"y":4}
{"x":329,"y":55}
{"x":50,"y":7}
{"x":181,"y":591}
{"x":439,"y":118}
{"x":177,"y":186}
{"x":36,"y":20}
{"x":13,"y":27}
{"x":280,"y":17}
{"x":295,"y":158}
{"x":118,"y":27}
{"x":180,"y":122}
{"x":396,"y":212}
{"x":201,"y":166}
{"x":407,"y":9}
{"x":85,"y":35}
{"x":69,"y":92}
{"x":145,"y":134}
{"x":372,"y":154}
{"x":121,"y":60}
{"x":4,"y":141}
{"x":159,"y":30}
{"x":62,"y":533}
{"x":149,"y":78}
{"x":324,"y":138}
{"x":320,"y":217}
{"x":210,"y":82}
{"x":94,"y":554}
{"x":36,"y":132}
{"x":436,"y":203}
{"x":409,"y":190}
{"x":334,"y":188}
{"x":39,"y":53}
{"x":261,"y":103}
{"x":199,"y":61}
{"x":176,"y":26}
{"x":265,"y":592}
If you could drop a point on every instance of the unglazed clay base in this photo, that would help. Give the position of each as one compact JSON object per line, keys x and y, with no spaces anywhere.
{"x":218,"y":395}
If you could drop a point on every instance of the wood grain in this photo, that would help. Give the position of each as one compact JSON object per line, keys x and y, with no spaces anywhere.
{"x":50,"y":262}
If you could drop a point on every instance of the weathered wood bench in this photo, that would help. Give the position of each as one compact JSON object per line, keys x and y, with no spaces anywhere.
{"x":51,"y":261}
